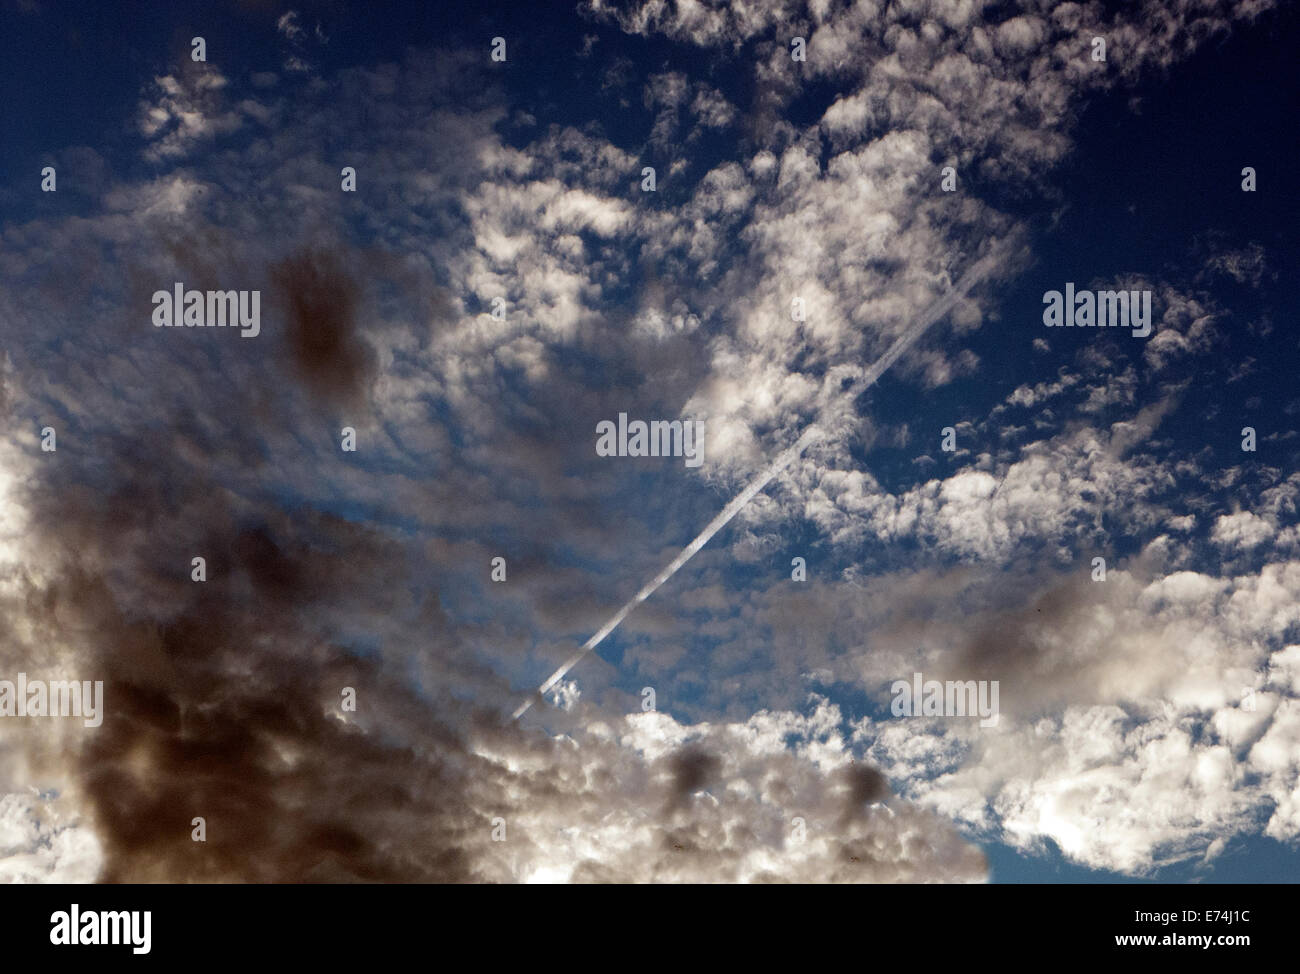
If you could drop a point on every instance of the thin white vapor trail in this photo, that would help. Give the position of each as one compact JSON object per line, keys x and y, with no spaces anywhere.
{"x":974,"y":274}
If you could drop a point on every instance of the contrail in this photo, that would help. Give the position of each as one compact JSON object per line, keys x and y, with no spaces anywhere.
{"x":974,"y":274}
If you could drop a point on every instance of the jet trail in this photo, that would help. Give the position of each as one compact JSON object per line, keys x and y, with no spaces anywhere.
{"x":974,"y":274}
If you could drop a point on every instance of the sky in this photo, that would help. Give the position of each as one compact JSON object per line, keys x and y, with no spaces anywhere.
{"x":905,"y":186}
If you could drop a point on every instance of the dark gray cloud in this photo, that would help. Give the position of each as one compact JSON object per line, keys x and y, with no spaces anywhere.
{"x":319,"y":299}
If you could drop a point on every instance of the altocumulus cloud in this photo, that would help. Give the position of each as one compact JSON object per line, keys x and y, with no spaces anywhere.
{"x":328,"y":571}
